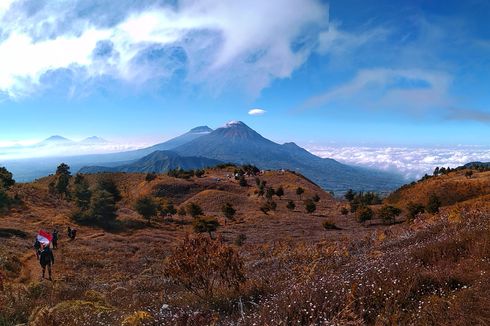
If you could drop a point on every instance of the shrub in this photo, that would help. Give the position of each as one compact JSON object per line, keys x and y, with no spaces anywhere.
{"x":344,"y":211}
{"x":194,"y":210}
{"x":202,"y":266}
{"x":364,"y":213}
{"x":150,"y":177}
{"x":205,"y":225}
{"x":291,"y":205}
{"x":280,"y":192}
{"x":270,"y":192}
{"x":389,"y":213}
{"x":299,"y":192}
{"x":242,"y":181}
{"x":146,"y":207}
{"x":6,"y":180}
{"x":228,"y":211}
{"x":414,"y":209}
{"x":316,"y":198}
{"x":199,"y":173}
{"x":240,"y":239}
{"x":329,"y":225}
{"x":310,"y":206}
{"x":433,"y":204}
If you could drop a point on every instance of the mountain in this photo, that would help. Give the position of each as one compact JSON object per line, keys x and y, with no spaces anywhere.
{"x":55,"y":140}
{"x":236,"y":142}
{"x":94,"y":140}
{"x":158,"y":162}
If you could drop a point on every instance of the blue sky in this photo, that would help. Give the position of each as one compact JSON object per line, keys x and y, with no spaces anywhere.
{"x":346,"y":72}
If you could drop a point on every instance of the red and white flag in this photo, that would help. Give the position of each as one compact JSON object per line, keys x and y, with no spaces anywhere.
{"x":44,"y":237}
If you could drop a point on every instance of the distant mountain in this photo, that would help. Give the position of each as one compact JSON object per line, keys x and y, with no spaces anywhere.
{"x":236,"y":142}
{"x":477,"y":165}
{"x":158,"y":162}
{"x":94,"y":140}
{"x":55,"y":140}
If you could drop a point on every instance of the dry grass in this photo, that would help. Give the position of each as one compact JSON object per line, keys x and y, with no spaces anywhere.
{"x":433,"y":271}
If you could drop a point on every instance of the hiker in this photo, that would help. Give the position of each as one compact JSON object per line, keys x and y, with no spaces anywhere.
{"x":46,"y":258}
{"x":73,"y":234}
{"x":54,"y":241}
{"x":37,"y":247}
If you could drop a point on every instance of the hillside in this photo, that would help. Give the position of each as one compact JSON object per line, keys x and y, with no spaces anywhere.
{"x":449,"y":188}
{"x":158,"y":162}
{"x":429,"y":271}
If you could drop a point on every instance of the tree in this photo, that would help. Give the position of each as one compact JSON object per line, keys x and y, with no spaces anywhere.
{"x":272,"y":205}
{"x":194,"y":210}
{"x":170,"y":209}
{"x":389,"y":213}
{"x":280,"y":192}
{"x":146,"y":207}
{"x":83,"y":194}
{"x":181,"y":211}
{"x":201,"y":266}
{"x":299,"y":192}
{"x":228,"y":211}
{"x":6,"y":180}
{"x":62,"y":182}
{"x":433,"y":204}
{"x":414,"y":209}
{"x":364,"y":213}
{"x":310,"y":206}
{"x":205,"y":225}
{"x":109,"y":185}
{"x":291,"y":206}
{"x":349,"y":195}
{"x":103,"y":207}
{"x":468,"y":174}
{"x":270,"y":192}
{"x":344,"y":211}
{"x":316,"y":198}
{"x":265,"y":208}
{"x":436,"y":171}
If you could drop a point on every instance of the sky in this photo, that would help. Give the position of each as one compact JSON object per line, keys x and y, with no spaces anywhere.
{"x":342,"y":73}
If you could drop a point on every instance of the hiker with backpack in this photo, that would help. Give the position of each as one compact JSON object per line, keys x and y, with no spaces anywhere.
{"x":46,"y":259}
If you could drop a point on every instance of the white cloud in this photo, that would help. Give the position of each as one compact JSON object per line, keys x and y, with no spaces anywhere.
{"x":411,"y":162}
{"x":217,"y":43}
{"x":396,"y":89}
{"x":256,"y":112}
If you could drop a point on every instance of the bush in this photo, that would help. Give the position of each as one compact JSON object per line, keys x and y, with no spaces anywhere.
{"x":150,"y":177}
{"x":243,"y":181}
{"x":6,"y":180}
{"x":310,"y":206}
{"x":389,"y":213}
{"x":240,"y":239}
{"x":202,"y":266}
{"x":280,"y":192}
{"x":433,"y":204}
{"x":414,"y":209}
{"x":199,"y":173}
{"x":344,"y":211}
{"x":228,"y":211}
{"x":205,"y":225}
{"x":329,"y":225}
{"x":364,"y":213}
{"x":299,"y":192}
{"x":269,"y":193}
{"x":291,"y":205}
{"x":194,"y":210}
{"x":316,"y":198}
{"x":146,"y":207}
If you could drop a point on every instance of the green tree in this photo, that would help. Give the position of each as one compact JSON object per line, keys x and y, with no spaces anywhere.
{"x":228,"y":211}
{"x":109,"y":185}
{"x":147,"y":207}
{"x":199,"y":173}
{"x":280,"y":192}
{"x":349,"y":195}
{"x":6,"y":180}
{"x":103,"y":207}
{"x":291,"y":206}
{"x":62,"y":177}
{"x":194,"y":210}
{"x":83,"y":194}
{"x":299,"y":192}
{"x":389,"y":213}
{"x":150,"y":177}
{"x":433,"y":204}
{"x":182,"y":212}
{"x":310,"y":206}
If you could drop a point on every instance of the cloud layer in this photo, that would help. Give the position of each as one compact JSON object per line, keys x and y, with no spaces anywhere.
{"x":211,"y":42}
{"x":256,"y":112}
{"x":411,"y":162}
